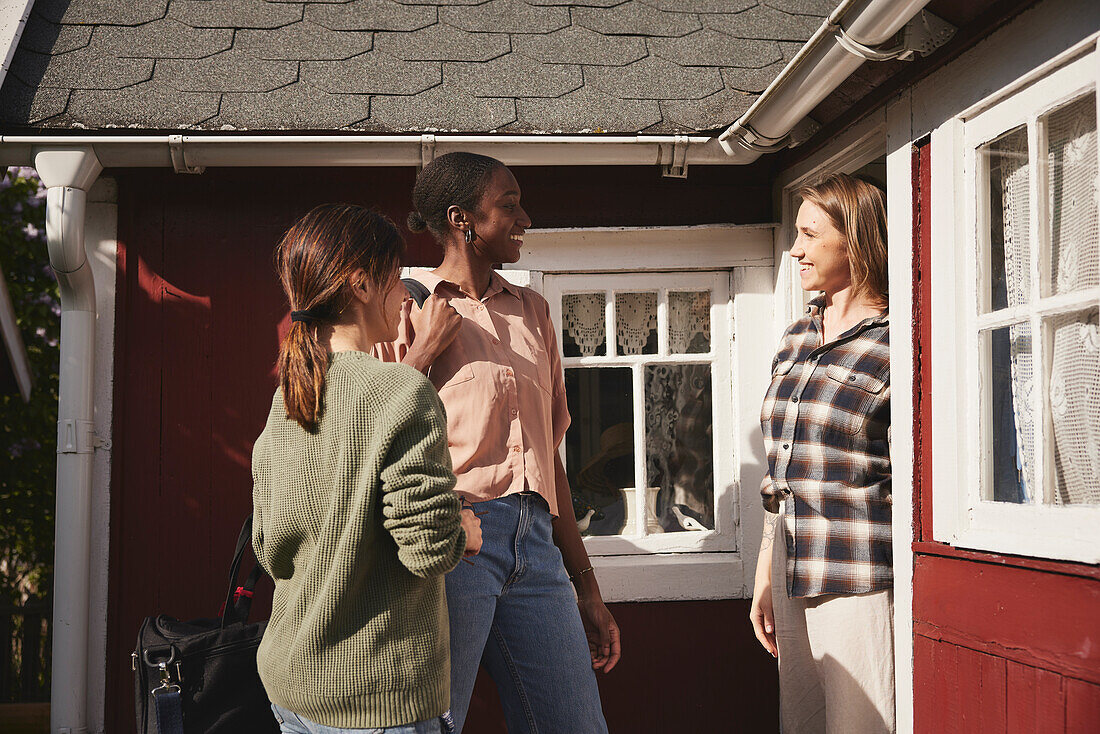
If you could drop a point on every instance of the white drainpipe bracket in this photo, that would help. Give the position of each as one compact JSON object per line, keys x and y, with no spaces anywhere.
{"x":179,"y":156}
{"x":677,"y":167}
{"x":923,"y":34}
{"x":427,"y":150}
{"x":927,"y":32}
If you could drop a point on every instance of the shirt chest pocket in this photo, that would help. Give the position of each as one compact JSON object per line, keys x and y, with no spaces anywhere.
{"x":451,"y":368}
{"x":854,"y":395}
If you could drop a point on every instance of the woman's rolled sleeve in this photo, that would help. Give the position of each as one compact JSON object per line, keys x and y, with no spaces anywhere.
{"x":420,"y":510}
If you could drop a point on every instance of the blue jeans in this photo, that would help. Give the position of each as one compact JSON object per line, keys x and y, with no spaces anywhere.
{"x":292,"y":723}
{"x":513,"y":610}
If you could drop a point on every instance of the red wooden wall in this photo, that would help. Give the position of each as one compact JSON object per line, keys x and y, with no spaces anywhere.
{"x":198,"y":320}
{"x":1002,"y":644}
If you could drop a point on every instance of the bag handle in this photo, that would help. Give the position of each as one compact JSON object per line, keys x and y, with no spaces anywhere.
{"x":238,"y":600}
{"x":417,"y":290}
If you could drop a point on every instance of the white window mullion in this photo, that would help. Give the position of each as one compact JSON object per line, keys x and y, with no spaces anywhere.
{"x":641,"y":478}
{"x":1037,"y":162}
{"x":662,"y":322}
{"x":612,"y":339}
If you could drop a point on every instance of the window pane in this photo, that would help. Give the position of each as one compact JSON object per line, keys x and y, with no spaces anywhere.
{"x":1072,"y":204}
{"x":679,"y":446}
{"x":1009,"y":246}
{"x":583,"y":324}
{"x":1075,"y":406}
{"x":1012,"y":414}
{"x":599,"y":448}
{"x":689,"y":322}
{"x":636,"y":323}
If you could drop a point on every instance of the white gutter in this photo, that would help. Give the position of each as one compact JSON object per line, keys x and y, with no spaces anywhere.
{"x":13,"y":19}
{"x":827,"y":59}
{"x":191,"y":153}
{"x":68,"y":173}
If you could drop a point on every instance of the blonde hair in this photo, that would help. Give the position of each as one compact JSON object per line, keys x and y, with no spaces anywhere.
{"x":858,"y":210}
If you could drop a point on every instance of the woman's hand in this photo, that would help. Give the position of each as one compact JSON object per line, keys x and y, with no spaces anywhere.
{"x":602,"y":632}
{"x":760,"y":613}
{"x":435,"y":326}
{"x":761,"y":616}
{"x":472,"y":525}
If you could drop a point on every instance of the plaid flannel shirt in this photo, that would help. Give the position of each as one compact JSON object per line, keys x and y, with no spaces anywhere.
{"x":826,"y":420}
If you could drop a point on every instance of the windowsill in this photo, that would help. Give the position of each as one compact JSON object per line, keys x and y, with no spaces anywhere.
{"x":671,"y":577}
{"x":936,"y":548}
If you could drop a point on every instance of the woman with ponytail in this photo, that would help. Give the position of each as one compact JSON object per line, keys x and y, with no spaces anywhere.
{"x":490,"y":349}
{"x":355,"y":517}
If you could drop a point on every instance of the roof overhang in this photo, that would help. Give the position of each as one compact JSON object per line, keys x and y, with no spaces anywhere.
{"x":193,"y":153}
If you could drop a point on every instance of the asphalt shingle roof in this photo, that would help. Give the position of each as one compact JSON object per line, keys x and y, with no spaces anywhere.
{"x":509,"y":66}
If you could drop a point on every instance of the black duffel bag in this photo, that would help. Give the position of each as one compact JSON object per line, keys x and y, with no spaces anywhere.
{"x":200,"y":677}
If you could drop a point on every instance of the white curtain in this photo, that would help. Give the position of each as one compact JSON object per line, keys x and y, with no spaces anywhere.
{"x":1015,"y":179}
{"x":1075,"y":264}
{"x":1073,"y":261}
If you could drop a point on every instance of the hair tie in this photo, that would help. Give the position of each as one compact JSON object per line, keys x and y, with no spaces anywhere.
{"x":306,"y":316}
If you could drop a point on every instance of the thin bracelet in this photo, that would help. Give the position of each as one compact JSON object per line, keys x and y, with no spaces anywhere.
{"x":579,"y":574}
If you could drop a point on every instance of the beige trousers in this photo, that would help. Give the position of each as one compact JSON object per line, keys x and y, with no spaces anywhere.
{"x":836,"y":658}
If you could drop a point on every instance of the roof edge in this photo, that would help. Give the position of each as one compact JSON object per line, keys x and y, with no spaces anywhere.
{"x":193,"y":153}
{"x":13,"y":19}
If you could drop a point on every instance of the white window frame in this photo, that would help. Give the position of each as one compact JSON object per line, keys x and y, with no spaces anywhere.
{"x":960,"y":516}
{"x":720,"y":357}
{"x":721,"y":564}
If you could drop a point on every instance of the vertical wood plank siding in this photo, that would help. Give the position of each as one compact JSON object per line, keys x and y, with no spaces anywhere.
{"x":1001,"y":644}
{"x":198,"y":321}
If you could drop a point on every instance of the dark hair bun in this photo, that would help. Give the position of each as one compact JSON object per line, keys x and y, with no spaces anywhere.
{"x":415,"y":222}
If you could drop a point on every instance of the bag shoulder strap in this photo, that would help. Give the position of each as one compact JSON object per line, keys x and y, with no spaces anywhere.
{"x":417,"y":290}
{"x":238,"y":608}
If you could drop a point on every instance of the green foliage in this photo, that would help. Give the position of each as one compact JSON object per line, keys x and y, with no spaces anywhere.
{"x":28,"y":431}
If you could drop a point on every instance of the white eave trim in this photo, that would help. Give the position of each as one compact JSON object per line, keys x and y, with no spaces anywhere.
{"x":192,"y":153}
{"x":13,"y":19}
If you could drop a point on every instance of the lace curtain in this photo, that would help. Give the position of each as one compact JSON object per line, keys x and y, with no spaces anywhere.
{"x":1073,"y":261}
{"x":1075,"y":264}
{"x":1009,"y":164}
{"x":688,"y":317}
{"x":636,"y":321}
{"x":678,"y":445}
{"x":582,"y":315}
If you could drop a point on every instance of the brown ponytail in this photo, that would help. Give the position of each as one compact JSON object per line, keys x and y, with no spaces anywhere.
{"x":315,"y":260}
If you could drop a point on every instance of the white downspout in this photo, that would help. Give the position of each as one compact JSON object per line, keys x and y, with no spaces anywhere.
{"x":68,"y":173}
{"x":827,"y":59}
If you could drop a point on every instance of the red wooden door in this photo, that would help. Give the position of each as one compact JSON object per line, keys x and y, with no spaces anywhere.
{"x":1002,"y":644}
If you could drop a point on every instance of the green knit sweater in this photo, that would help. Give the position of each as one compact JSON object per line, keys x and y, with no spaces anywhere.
{"x":357,"y":523}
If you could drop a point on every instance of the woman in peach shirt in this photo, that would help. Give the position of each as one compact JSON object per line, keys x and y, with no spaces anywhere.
{"x":491,"y":351}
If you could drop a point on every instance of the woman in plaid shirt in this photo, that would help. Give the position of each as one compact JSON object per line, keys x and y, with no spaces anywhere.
{"x":823,"y":598}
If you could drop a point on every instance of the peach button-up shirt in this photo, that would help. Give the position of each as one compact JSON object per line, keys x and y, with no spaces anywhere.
{"x":502,"y":385}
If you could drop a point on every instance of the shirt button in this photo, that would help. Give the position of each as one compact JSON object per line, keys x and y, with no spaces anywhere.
{"x":794,"y":400}
{"x":786,"y":446}
{"x":852,"y":378}
{"x":517,"y":449}
{"x":514,"y":412}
